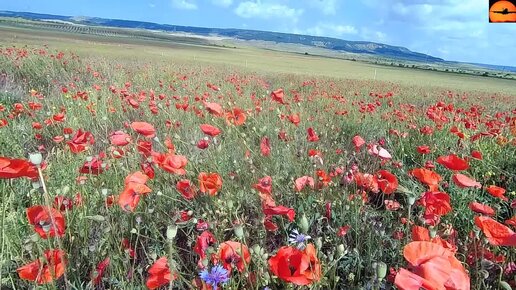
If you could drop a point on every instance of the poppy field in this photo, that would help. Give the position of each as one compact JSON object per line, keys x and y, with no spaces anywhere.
{"x":124,"y":174}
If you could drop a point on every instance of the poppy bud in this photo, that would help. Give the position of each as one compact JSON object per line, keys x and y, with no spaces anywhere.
{"x":171,"y":232}
{"x":341,"y":249}
{"x":36,"y":158}
{"x":411,"y":200}
{"x":381,"y":270}
{"x":256,"y":249}
{"x":36,"y":185}
{"x":318,"y":243}
{"x":239,"y":231}
{"x":433,"y":232}
{"x":303,"y":224}
{"x":504,"y":285}
{"x":97,"y":218}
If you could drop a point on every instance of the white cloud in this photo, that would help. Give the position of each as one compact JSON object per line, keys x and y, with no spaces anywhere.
{"x":184,"y":4}
{"x":267,"y":10}
{"x":372,"y":35}
{"x":327,"y":7}
{"x":222,"y":3}
{"x":328,"y":29}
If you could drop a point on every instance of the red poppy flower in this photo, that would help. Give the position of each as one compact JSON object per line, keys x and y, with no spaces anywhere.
{"x":436,"y":203}
{"x":358,"y":142}
{"x":185,"y":187}
{"x":312,"y":136}
{"x":464,"y":181}
{"x":427,"y":177}
{"x":134,"y":187}
{"x":43,"y":271}
{"x":497,"y":192}
{"x":265,"y":147}
{"x":159,"y":274}
{"x":120,"y":138}
{"x":302,"y":182}
{"x":279,"y":210}
{"x":236,"y":117}
{"x":406,"y":280}
{"x":342,"y":231}
{"x":47,"y":222}
{"x":497,"y":234}
{"x":15,"y":168}
{"x":391,"y":205}
{"x":210,"y":130}
{"x":294,"y":119}
{"x":295,"y":266}
{"x":204,"y":241}
{"x":80,"y":141}
{"x":423,"y":149}
{"x":379,"y":151}
{"x":234,"y":254}
{"x":277,"y":96}
{"x":210,"y":183}
{"x":366,"y":181}
{"x":63,"y":203}
{"x":476,"y":154}
{"x":214,"y":109}
{"x":420,"y":234}
{"x":96,"y":276}
{"x":93,"y":167}
{"x":434,"y":267}
{"x":387,"y":182}
{"x":264,"y":185}
{"x":144,"y":129}
{"x":171,"y":163}
{"x":481,"y":208}
{"x":511,"y":221}
{"x":323,"y":179}
{"x":453,"y":162}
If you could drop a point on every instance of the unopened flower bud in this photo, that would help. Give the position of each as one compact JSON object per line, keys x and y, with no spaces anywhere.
{"x":171,"y":232}
{"x":340,"y":249}
{"x":303,"y":224}
{"x":433,"y":232}
{"x":36,"y":158}
{"x":381,"y":270}
{"x":504,"y":285}
{"x":239,"y":231}
{"x":411,"y":200}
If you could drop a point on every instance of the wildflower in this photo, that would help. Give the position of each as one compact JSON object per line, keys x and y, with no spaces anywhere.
{"x":210,"y":183}
{"x":298,"y":239}
{"x":299,"y":267}
{"x":234,"y":253}
{"x":45,"y":270}
{"x":144,"y":129}
{"x":47,"y":221}
{"x":159,"y":274}
{"x":15,"y":168}
{"x":217,"y":275}
{"x":210,"y":130}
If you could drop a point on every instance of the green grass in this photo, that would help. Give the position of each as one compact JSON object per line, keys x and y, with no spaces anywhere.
{"x":112,"y":71}
{"x":251,"y":59}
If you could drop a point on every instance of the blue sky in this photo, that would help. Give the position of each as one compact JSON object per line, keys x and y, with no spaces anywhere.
{"x":451,"y":29}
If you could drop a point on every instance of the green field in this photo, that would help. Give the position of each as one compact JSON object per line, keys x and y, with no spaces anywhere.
{"x":135,"y":163}
{"x":247,"y":58}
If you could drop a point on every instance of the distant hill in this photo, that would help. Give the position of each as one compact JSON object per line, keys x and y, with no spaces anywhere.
{"x":362,"y":47}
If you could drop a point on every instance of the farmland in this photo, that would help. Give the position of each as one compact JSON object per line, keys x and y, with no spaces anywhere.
{"x":130,"y":163}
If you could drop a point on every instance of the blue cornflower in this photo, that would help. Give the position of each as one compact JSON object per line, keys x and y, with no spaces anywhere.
{"x":298,"y":239}
{"x":217,"y":275}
